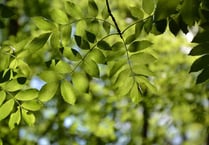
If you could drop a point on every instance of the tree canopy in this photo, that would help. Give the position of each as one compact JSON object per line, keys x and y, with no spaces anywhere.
{"x":104,"y":72}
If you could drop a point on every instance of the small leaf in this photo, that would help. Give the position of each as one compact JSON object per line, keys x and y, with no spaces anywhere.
{"x":63,"y":67}
{"x":202,"y":36}
{"x":6,"y":109}
{"x":104,"y":45}
{"x":138,"y":28}
{"x":28,"y":117}
{"x":72,"y":54}
{"x":38,"y":42}
{"x":27,"y":95}
{"x":14,"y":119}
{"x":97,"y":55}
{"x":33,"y":105}
{"x":145,"y":81}
{"x":105,"y":13}
{"x":91,"y":68}
{"x":200,"y":63}
{"x":49,"y":76}
{"x":148,"y":24}
{"x":73,"y":9}
{"x":106,"y":27}
{"x":4,"y":76}
{"x":43,"y":23}
{"x":130,"y":38}
{"x":83,"y":44}
{"x":173,"y":26}
{"x":139,"y":45}
{"x":2,"y":97}
{"x":203,"y":76}
{"x":142,"y":58}
{"x":142,"y":70}
{"x":148,"y":6}
{"x":200,"y":49}
{"x":55,"y":40}
{"x":80,"y":82}
{"x":48,"y":91}
{"x":135,"y":94}
{"x":91,"y":37}
{"x":136,"y":12}
{"x":67,"y":92}
{"x":117,"y":46}
{"x":161,"y":25}
{"x":59,"y":16}
{"x":92,"y":8}
{"x":13,"y":86}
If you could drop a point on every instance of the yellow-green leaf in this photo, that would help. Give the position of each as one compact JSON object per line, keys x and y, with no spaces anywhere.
{"x":43,"y":23}
{"x":2,"y":97}
{"x":48,"y":91}
{"x":59,"y":16}
{"x":33,"y":105}
{"x":80,"y":82}
{"x":27,"y":95}
{"x":91,"y":68}
{"x":6,"y":109}
{"x":67,"y":92}
{"x":14,"y":119}
{"x":28,"y":117}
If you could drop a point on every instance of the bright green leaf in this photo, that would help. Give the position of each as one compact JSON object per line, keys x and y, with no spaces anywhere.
{"x":43,"y":23}
{"x":63,"y":67}
{"x":67,"y":92}
{"x":91,"y":68}
{"x":6,"y":109}
{"x":80,"y":82}
{"x":33,"y":105}
{"x":117,"y":46}
{"x":28,"y":117}
{"x":59,"y":16}
{"x":142,"y":70}
{"x":136,"y":12}
{"x":49,"y":76}
{"x":106,"y":27}
{"x":97,"y":55}
{"x":142,"y":58}
{"x":148,"y":6}
{"x":139,"y":45}
{"x":2,"y":97}
{"x":146,"y":82}
{"x":13,"y":86}
{"x":14,"y":119}
{"x":48,"y":91}
{"x":55,"y":40}
{"x":72,"y":54}
{"x":135,"y":93}
{"x":73,"y":10}
{"x":92,"y":8}
{"x":27,"y":95}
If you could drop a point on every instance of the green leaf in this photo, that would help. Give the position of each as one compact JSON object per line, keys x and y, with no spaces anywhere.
{"x":138,"y":28}
{"x":161,"y":25}
{"x":55,"y":40}
{"x":6,"y":11}
{"x":73,"y":10}
{"x":135,"y":94}
{"x":2,"y":97}
{"x":104,"y":45}
{"x":142,"y":58}
{"x":59,"y":16}
{"x":83,"y":44}
{"x":49,"y":76}
{"x":130,"y":38}
{"x":91,"y":37}
{"x":38,"y":42}
{"x":72,"y":54}
{"x":91,"y":68}
{"x":148,"y":24}
{"x":142,"y":70}
{"x":27,"y":95}
{"x":117,"y":46}
{"x":48,"y":91}
{"x":165,"y":9}
{"x":173,"y":26}
{"x":5,"y":76}
{"x":136,"y":12}
{"x":80,"y":82}
{"x":43,"y":23}
{"x":13,"y":86}
{"x":33,"y":105}
{"x":190,"y":11}
{"x":6,"y":109}
{"x":116,"y":67}
{"x":202,"y":36}
{"x":5,"y":60}
{"x":92,"y":8}
{"x":200,"y":63}
{"x":24,"y":67}
{"x":105,"y":13}
{"x":66,"y":31}
{"x":203,"y":76}
{"x":139,"y":45}
{"x":21,"y":80}
{"x":97,"y":55}
{"x":148,"y":6}
{"x":14,"y":119}
{"x":63,"y":67}
{"x":200,"y":49}
{"x":145,"y":81}
{"x":1,"y":142}
{"x":28,"y":117}
{"x":106,"y":27}
{"x":67,"y":92}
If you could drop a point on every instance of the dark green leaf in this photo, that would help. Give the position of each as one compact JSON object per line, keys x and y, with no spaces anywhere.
{"x":148,"y":24}
{"x":6,"y":12}
{"x":117,"y":46}
{"x":161,"y":25}
{"x":203,"y":76}
{"x":165,"y":9}
{"x":200,"y":49}
{"x":106,"y":27}
{"x":200,"y":63}
{"x":4,"y":76}
{"x":91,"y":37}
{"x":78,"y":40}
{"x":105,"y":13}
{"x":202,"y":36}
{"x":173,"y":26}
{"x":104,"y":45}
{"x":139,"y":45}
{"x":21,"y":80}
{"x":138,"y":28}
{"x":148,"y":6}
{"x":130,"y":38}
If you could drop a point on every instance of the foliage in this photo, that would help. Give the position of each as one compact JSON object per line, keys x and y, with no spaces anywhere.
{"x":103,"y":66}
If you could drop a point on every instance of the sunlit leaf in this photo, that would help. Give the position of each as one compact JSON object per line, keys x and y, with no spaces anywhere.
{"x":92,"y":8}
{"x":63,"y":67}
{"x":136,"y":12}
{"x":142,"y":58}
{"x":72,"y":54}
{"x":14,"y":119}
{"x":13,"y":86}
{"x":5,"y":59}
{"x":38,"y":42}
{"x":28,"y":117}
{"x":142,"y":70}
{"x":33,"y":105}
{"x":48,"y":91}
{"x":97,"y":55}
{"x":67,"y":92}
{"x":27,"y":95}
{"x":43,"y":23}
{"x":25,"y":69}
{"x":2,"y":97}
{"x":91,"y":68}
{"x":55,"y":40}
{"x":148,"y":6}
{"x":59,"y":16}
{"x":146,"y":82}
{"x":200,"y":63}
{"x":135,"y":93}
{"x":139,"y":45}
{"x":6,"y":108}
{"x":80,"y":82}
{"x":73,"y":10}
{"x":49,"y":76}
